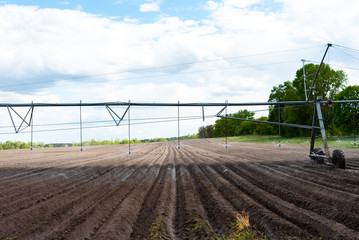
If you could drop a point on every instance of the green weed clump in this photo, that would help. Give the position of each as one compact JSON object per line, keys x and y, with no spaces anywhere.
{"x":157,"y":228}
{"x":241,"y":228}
{"x":202,"y":229}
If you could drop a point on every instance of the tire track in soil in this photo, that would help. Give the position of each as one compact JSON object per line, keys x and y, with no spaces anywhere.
{"x":159,"y":203}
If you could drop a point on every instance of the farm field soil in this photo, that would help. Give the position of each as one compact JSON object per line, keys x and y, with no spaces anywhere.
{"x":193,"y":192}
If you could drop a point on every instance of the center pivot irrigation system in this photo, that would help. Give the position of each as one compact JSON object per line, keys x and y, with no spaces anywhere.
{"x":337,"y":158}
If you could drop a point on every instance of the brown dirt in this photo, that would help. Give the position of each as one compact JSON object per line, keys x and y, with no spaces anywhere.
{"x":188,"y":193}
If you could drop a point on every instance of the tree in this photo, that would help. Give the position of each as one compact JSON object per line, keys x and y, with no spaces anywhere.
{"x":231,"y":127}
{"x":345,"y":116}
{"x":328,"y":83}
{"x":263,"y":128}
{"x":205,"y":132}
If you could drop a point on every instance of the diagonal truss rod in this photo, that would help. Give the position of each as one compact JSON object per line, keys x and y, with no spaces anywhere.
{"x":316,"y":74}
{"x":116,"y":118}
{"x":17,"y":129}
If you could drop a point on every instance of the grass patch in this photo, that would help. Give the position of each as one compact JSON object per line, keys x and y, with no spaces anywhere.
{"x":333,"y":142}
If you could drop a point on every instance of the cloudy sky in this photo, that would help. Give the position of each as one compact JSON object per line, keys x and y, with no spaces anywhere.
{"x":159,"y":51}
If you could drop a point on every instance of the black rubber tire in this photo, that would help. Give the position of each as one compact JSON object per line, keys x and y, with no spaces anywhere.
{"x":338,"y":158}
{"x":319,"y":151}
{"x":315,"y":150}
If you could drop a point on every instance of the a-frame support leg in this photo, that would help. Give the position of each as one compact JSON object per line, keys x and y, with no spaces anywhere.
{"x":318,"y":116}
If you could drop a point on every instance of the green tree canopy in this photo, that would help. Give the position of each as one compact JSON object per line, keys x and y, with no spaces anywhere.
{"x":231,"y":127}
{"x":205,"y":132}
{"x":328,"y":83}
{"x":345,"y":116}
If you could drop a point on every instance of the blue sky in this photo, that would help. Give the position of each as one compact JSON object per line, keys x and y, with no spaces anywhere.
{"x":161,"y":51}
{"x":126,"y":8}
{"x":184,"y":9}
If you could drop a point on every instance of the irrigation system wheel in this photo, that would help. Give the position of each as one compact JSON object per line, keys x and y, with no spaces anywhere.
{"x":338,"y":158}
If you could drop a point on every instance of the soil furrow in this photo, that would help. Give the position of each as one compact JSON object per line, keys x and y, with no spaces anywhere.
{"x":189,"y":193}
{"x":159,"y":205}
{"x":335,"y":210}
{"x":191,"y":219}
{"x":94,"y":215}
{"x":121,"y":223}
{"x":316,"y":224}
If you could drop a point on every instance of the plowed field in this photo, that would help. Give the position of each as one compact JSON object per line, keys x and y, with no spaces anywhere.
{"x":188,"y":193}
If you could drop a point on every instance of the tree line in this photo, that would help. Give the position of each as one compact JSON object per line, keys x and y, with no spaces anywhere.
{"x":21,"y":145}
{"x":93,"y":142}
{"x":339,"y":119}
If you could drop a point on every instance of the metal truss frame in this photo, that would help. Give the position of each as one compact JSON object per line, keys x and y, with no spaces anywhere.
{"x":317,"y":115}
{"x":27,"y":123}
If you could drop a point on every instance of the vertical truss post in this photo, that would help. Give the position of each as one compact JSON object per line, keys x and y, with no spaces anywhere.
{"x":178,"y":126}
{"x":355,"y":124}
{"x":321,"y":125}
{"x":81,"y":124}
{"x":305,"y":87}
{"x":203,"y":112}
{"x":278,"y":108}
{"x":314,"y":122}
{"x":129,"y":128}
{"x":226,"y":131}
{"x":32,"y":125}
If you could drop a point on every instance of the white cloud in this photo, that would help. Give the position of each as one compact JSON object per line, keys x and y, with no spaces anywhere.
{"x":212,"y":5}
{"x":150,"y":7}
{"x":47,"y":44}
